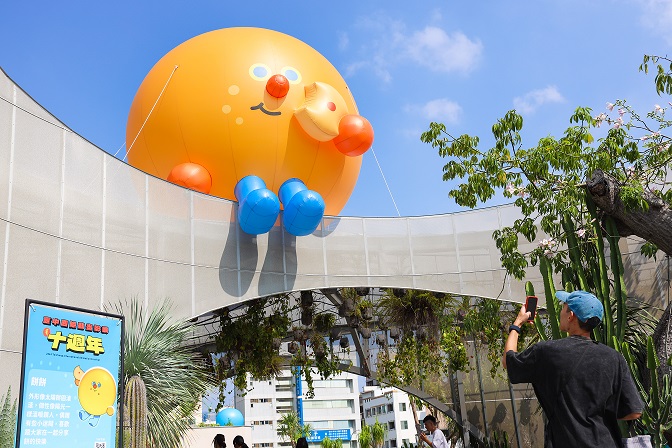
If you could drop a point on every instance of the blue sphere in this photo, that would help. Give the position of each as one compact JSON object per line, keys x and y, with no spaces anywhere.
{"x":230,"y":417}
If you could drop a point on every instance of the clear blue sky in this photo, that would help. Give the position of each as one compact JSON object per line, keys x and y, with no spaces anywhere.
{"x":407,"y":63}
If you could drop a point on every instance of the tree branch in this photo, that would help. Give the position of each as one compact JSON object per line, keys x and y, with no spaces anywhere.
{"x":654,"y":224}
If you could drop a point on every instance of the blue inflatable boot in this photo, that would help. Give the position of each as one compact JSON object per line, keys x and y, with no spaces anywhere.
{"x":304,"y":208}
{"x":258,"y":207}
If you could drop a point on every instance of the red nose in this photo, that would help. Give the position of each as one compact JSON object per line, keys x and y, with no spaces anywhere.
{"x":277,"y":86}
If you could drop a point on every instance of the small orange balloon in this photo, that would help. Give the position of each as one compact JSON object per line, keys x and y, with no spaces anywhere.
{"x":192,"y":176}
{"x":355,"y":135}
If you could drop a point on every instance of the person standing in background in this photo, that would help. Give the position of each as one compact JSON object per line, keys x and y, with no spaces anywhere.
{"x":438,"y":439}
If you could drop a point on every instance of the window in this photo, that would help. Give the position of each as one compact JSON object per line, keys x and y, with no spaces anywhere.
{"x":405,"y":442}
{"x":404,"y":424}
{"x":262,"y":422}
{"x":390,"y":407}
{"x":368,"y":412}
{"x":328,"y":404}
{"x":381,"y":409}
{"x":391,"y":424}
{"x":402,"y":406}
{"x":373,"y":411}
{"x":393,"y":443}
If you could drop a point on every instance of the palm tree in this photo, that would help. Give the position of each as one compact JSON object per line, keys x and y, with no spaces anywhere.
{"x":290,"y":429}
{"x":364,"y":438}
{"x":175,"y":378}
{"x":377,"y":434}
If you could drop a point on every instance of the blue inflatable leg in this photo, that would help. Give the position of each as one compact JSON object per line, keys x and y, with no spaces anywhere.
{"x":258,"y":207}
{"x":304,"y":208}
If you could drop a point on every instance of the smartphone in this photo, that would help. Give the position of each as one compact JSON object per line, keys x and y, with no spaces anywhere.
{"x":531,"y":306}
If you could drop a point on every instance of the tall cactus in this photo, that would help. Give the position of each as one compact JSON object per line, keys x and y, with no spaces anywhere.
{"x":576,"y":275}
{"x":657,"y":414}
{"x":135,"y":405}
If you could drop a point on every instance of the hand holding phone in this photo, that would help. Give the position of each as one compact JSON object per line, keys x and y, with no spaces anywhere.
{"x":531,"y":306}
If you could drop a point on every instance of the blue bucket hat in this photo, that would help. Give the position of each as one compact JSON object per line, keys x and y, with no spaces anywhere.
{"x":584,"y":304}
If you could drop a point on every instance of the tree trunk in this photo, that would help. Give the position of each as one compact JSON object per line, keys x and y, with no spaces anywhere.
{"x":654,"y":224}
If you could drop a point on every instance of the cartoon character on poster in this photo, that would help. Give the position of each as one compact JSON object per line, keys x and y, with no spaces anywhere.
{"x":254,"y":116}
{"x":96,"y":391}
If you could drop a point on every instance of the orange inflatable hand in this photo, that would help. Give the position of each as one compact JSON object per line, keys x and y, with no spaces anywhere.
{"x":355,"y":135}
{"x":192,"y":176}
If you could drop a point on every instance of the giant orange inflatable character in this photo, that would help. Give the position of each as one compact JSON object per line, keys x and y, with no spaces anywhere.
{"x":251,"y":115}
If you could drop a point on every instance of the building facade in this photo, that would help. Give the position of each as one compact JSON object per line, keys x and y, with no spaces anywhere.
{"x":334,"y":409}
{"x":392,"y":408}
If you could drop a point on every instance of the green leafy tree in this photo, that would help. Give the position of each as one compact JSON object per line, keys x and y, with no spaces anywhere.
{"x":625,"y":173}
{"x":175,"y":378}
{"x":8,"y":415}
{"x":290,"y":429}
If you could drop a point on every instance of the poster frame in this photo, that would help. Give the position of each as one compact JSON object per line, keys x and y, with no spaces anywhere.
{"x":120,"y":374}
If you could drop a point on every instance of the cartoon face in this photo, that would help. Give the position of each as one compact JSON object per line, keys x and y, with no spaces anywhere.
{"x":97,"y":390}
{"x":248,"y":101}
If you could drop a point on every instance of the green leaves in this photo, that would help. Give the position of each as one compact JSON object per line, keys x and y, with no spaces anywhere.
{"x":548,"y":180}
{"x":289,"y":428}
{"x":154,"y":350}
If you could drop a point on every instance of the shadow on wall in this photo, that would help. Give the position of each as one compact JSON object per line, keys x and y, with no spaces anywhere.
{"x":278,"y":272}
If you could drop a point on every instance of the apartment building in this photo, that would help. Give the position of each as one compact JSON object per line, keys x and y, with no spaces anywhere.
{"x":334,"y":410}
{"x":391,"y":407}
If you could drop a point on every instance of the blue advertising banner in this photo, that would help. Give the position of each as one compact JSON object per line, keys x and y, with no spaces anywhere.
{"x":70,"y":377}
{"x":319,"y":435}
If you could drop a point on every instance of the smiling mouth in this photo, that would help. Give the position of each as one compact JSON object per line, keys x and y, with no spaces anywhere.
{"x":260,"y":106}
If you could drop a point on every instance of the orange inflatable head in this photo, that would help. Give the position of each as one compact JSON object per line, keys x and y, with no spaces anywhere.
{"x":247,"y":101}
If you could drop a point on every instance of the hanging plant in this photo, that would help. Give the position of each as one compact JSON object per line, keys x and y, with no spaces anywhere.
{"x":334,"y":333}
{"x":366,"y":309}
{"x":362,"y":292}
{"x":293,"y":347}
{"x":344,"y":342}
{"x":319,"y":345}
{"x":307,"y":316}
{"x":350,"y":299}
{"x":299,"y":334}
{"x":324,"y":322}
{"x":307,"y":299}
{"x":245,"y":348}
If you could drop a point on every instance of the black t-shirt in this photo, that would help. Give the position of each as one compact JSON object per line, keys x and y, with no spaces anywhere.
{"x":583,"y":387}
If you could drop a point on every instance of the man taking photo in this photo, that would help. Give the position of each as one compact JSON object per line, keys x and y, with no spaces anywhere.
{"x":584,"y":387}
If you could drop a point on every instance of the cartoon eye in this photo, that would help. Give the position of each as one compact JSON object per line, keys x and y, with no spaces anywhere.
{"x":93,"y":384}
{"x":98,"y":384}
{"x":260,"y":72}
{"x":292,"y":74}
